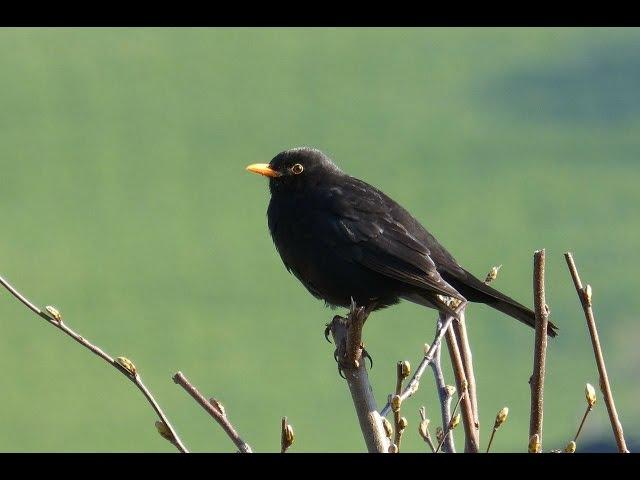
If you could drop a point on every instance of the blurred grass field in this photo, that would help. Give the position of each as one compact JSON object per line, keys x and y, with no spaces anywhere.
{"x":125,"y":203}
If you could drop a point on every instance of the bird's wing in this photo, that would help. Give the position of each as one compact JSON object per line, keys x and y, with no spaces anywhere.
{"x":368,"y":227}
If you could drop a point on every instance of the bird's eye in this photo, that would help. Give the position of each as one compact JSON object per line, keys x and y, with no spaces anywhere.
{"x":297,"y":169}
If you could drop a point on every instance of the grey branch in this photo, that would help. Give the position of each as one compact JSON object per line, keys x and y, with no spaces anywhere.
{"x":347,"y":335}
{"x":453,"y":423}
{"x":445,"y":396}
{"x":215,"y":409}
{"x":584,"y":293}
{"x":122,"y":364}
{"x":412,"y":386}
{"x":540,"y":350}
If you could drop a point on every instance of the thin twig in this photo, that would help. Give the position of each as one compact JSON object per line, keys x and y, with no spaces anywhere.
{"x":121,"y":364}
{"x":584,"y":293}
{"x":215,"y":409}
{"x":493,"y":434}
{"x":584,"y":418}
{"x":445,"y":394}
{"x":414,"y":383}
{"x":540,"y":350}
{"x":501,"y":417}
{"x":402,"y":372}
{"x":471,"y":432}
{"x":347,"y":335}
{"x":423,"y":429}
{"x":460,"y":329}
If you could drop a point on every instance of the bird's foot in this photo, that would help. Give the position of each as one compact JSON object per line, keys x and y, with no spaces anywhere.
{"x":340,"y":358}
{"x":327,"y":331}
{"x":366,"y":355}
{"x":339,"y":328}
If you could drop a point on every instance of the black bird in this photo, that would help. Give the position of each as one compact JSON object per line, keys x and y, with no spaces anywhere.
{"x":343,"y":238}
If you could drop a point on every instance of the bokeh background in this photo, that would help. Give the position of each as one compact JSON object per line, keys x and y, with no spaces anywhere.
{"x":125,"y":203}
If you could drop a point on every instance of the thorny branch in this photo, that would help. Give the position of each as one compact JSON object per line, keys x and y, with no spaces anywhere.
{"x":122,"y":364}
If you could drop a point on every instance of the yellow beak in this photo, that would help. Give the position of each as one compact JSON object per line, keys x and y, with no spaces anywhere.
{"x":263,"y":169}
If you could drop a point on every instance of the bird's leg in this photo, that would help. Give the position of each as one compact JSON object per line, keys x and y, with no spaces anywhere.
{"x":357,"y":317}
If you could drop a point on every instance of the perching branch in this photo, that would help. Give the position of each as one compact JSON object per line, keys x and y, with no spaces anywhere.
{"x":540,"y":350}
{"x":347,"y":335}
{"x":584,"y":293}
{"x":471,"y":432}
{"x":215,"y":409}
{"x":122,"y":364}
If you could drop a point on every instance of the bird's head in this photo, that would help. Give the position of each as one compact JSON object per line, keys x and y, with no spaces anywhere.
{"x":295,"y":168}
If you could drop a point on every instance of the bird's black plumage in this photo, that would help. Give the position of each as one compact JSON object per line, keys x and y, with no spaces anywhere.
{"x":343,"y":238}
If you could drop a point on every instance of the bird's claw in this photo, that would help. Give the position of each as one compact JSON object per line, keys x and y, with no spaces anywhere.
{"x":336,"y":356}
{"x":366,"y":355}
{"x":327,"y":331}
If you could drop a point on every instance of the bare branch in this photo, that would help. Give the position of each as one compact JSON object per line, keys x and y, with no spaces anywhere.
{"x":501,"y":417}
{"x":584,"y":293}
{"x":215,"y":409}
{"x":402,"y":371}
{"x":472,"y":442}
{"x":423,"y":429}
{"x":122,"y":364}
{"x":584,"y":418}
{"x":540,"y":350}
{"x":413,"y":385}
{"x":445,"y":394}
{"x":347,"y":335}
{"x":471,"y":432}
{"x":453,"y":422}
{"x":590,"y":395}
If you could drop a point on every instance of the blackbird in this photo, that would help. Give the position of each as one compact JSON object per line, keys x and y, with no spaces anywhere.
{"x":345,"y":239}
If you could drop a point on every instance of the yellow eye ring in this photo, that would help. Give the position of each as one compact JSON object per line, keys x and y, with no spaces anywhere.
{"x":297,"y":169}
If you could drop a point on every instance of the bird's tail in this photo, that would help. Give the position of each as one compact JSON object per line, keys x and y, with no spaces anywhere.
{"x":475,"y":290}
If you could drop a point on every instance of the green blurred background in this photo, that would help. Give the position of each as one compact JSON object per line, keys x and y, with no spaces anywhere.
{"x":125,"y":203}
